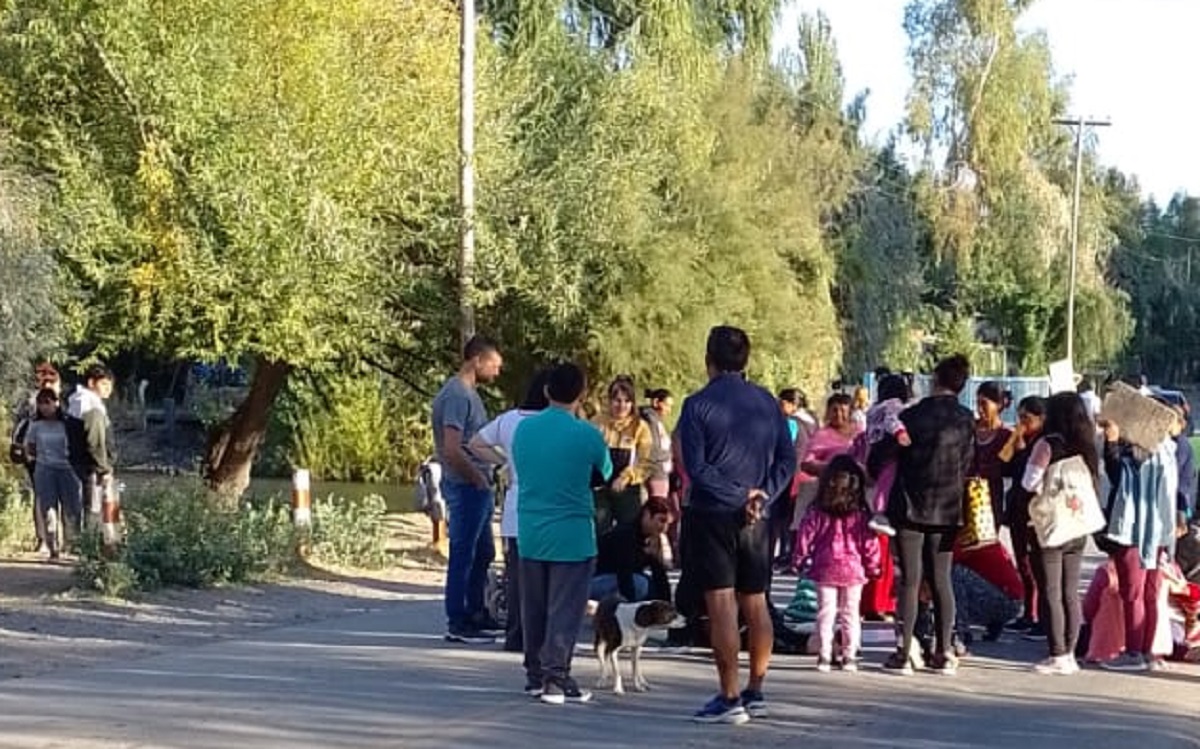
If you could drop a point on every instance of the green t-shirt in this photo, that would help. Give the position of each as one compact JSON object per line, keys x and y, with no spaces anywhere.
{"x":554,"y":453}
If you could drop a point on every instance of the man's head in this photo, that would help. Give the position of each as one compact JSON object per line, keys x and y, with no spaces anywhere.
{"x":481,"y":357}
{"x":951,"y":374}
{"x":1085,"y":386}
{"x":656,"y":517}
{"x":728,"y":350}
{"x":566,"y":385}
{"x":99,"y":379}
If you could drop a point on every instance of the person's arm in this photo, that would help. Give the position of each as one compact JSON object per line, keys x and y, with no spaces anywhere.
{"x":1035,"y":469}
{"x":95,"y":428}
{"x":783,"y":465}
{"x":454,"y":423}
{"x":805,"y":535}
{"x":703,"y":476}
{"x":486,"y":443}
{"x":869,"y":549}
{"x":1187,"y":478}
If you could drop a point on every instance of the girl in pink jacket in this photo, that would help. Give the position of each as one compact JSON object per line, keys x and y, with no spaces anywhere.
{"x":842,"y":552}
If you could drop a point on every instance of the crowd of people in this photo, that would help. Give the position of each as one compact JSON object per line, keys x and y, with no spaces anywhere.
{"x":748,"y":484}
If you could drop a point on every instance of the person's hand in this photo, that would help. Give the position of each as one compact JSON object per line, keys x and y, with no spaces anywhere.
{"x":755,"y":502}
{"x":620,"y":483}
{"x":1112,"y":432}
{"x":874,"y":574}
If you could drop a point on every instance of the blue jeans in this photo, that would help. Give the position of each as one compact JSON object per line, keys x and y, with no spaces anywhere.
{"x":604,"y":586}
{"x":472,"y":550}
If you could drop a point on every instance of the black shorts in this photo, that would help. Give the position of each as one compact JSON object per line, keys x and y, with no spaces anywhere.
{"x":723,"y":551}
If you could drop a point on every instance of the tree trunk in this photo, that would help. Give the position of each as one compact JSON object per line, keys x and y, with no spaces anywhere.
{"x":233,"y":445}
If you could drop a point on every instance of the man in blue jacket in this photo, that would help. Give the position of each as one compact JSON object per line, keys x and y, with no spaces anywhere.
{"x":737,"y":453}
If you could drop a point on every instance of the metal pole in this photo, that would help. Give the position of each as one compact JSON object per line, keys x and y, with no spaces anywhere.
{"x":1074,"y":244}
{"x":1078,"y":123}
{"x":466,"y":185}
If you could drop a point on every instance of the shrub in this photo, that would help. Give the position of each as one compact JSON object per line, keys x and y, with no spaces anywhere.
{"x":350,"y":533}
{"x":16,"y":516}
{"x":347,"y":428}
{"x":181,"y":536}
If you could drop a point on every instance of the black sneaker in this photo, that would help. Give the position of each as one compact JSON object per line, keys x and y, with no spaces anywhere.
{"x":533,"y":687}
{"x":488,"y":625}
{"x":469,"y":636}
{"x":1037,"y":633}
{"x":1021,"y":625}
{"x":557,"y":691}
{"x":899,"y":663}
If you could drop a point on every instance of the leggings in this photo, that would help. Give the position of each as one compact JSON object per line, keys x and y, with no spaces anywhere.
{"x":1058,"y":571}
{"x":1024,"y":541}
{"x":927,"y":555}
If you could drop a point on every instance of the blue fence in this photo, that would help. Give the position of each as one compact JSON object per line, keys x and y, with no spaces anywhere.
{"x":1020,"y":387}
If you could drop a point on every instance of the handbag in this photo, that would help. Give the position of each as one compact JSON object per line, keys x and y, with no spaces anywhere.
{"x":979,"y":526}
{"x":1067,"y":507}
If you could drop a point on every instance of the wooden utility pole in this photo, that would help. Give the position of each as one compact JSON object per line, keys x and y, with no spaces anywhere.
{"x":1079,"y":123}
{"x":466,"y":177}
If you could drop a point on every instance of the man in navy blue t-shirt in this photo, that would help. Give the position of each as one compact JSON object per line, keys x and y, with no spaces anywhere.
{"x":738,"y":454}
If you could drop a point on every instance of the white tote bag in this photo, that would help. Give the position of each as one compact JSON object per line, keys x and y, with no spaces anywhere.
{"x":1067,"y":507}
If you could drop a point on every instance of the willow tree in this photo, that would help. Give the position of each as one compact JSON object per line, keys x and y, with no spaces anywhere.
{"x":30,"y":311}
{"x":983,"y":104}
{"x":229,"y":177}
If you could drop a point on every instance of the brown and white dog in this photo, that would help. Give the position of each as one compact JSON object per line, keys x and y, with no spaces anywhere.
{"x":625,"y":626}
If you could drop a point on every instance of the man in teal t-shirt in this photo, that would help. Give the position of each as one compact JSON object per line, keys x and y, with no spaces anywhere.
{"x":554,"y":453}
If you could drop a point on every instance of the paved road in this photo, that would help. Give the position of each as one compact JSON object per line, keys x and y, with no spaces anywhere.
{"x":385,"y":679}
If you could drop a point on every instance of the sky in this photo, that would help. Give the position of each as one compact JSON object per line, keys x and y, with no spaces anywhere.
{"x":1132,"y":61}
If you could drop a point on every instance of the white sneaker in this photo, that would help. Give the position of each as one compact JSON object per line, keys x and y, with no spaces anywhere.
{"x":880,"y":524}
{"x":1059,"y":665}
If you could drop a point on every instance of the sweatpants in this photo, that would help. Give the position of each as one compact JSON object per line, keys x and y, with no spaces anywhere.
{"x":554,"y":598}
{"x":927,"y":555}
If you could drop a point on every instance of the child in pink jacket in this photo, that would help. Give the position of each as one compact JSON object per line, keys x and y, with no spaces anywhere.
{"x":842,"y":552}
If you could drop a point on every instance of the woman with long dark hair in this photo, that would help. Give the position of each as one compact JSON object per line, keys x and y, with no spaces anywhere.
{"x":926,"y":508}
{"x":1068,"y":432}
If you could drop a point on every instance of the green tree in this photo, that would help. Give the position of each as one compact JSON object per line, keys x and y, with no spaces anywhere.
{"x":230,"y":178}
{"x":31,"y":324}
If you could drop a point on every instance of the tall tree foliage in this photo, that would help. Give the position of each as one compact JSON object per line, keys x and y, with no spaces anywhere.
{"x":31,"y":321}
{"x":983,"y":101}
{"x":229,"y":175}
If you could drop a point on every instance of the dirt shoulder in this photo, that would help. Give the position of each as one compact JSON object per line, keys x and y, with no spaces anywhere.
{"x":47,"y":624}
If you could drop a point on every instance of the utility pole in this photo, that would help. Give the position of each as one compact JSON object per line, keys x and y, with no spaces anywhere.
{"x":1079,"y":123}
{"x":466,"y":177}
